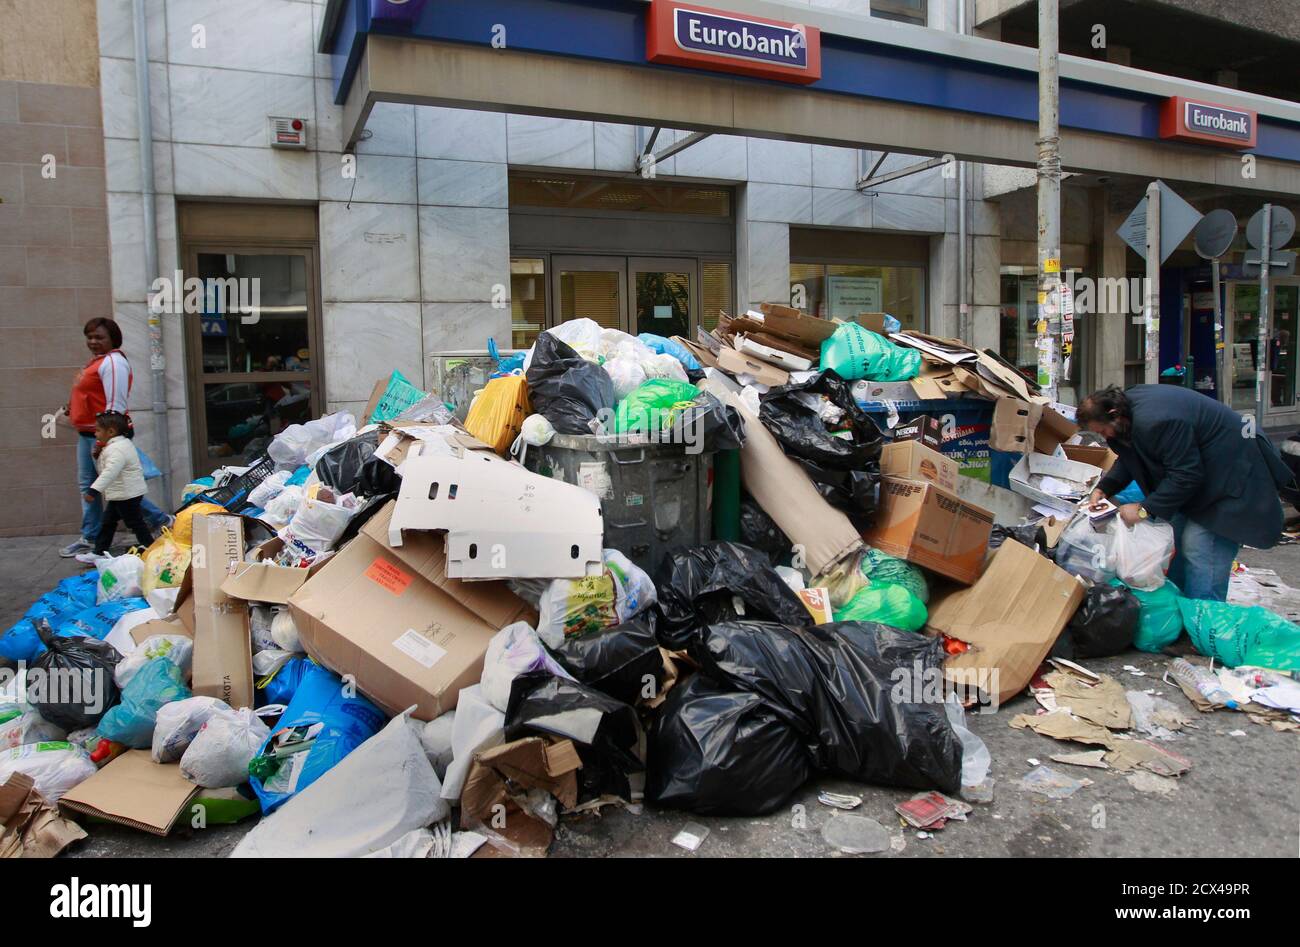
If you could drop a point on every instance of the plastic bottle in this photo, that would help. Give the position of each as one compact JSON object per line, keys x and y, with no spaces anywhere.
{"x":1201,"y":681}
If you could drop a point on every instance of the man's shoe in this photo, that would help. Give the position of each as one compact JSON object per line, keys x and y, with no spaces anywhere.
{"x":73,"y":549}
{"x":87,"y":557}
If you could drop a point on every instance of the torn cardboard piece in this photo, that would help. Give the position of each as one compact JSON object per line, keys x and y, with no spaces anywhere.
{"x":29,"y":826}
{"x":1010,"y":618}
{"x":1060,"y":724}
{"x":1103,"y":703}
{"x":809,"y":331}
{"x":738,"y":363}
{"x":263,"y":580}
{"x":134,"y":790}
{"x":502,"y":521}
{"x":223,"y":658}
{"x":506,"y":773}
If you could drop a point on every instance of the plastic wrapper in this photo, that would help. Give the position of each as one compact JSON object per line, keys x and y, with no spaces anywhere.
{"x":21,"y":642}
{"x":513,"y":650}
{"x":132,"y":721}
{"x":377,"y":478}
{"x":339,"y":468}
{"x":323,"y":723}
{"x":280,"y":510}
{"x":220,"y":752}
{"x":627,"y":374}
{"x":707,"y":424}
{"x":623,"y":662}
{"x":856,"y":352}
{"x":1087,"y":552}
{"x":317,"y":525}
{"x":82,"y":701}
{"x":890,"y":605}
{"x":292,"y":446}
{"x":279,"y":686}
{"x":571,"y":607}
{"x":718,"y":751}
{"x":665,"y":346}
{"x":583,"y":336}
{"x":1159,"y":620}
{"x":398,"y":396}
{"x":759,"y":531}
{"x":497,"y":414}
{"x":268,"y":489}
{"x":718,"y":582}
{"x":568,"y":390}
{"x":1241,"y":634}
{"x":1105,"y":624}
{"x":284,"y":632}
{"x":851,"y":690}
{"x":607,"y":732}
{"x":1031,"y":535}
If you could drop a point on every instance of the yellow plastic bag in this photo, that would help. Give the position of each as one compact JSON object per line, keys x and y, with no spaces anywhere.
{"x":182,"y":529}
{"x":497,"y":414}
{"x":165,"y":563}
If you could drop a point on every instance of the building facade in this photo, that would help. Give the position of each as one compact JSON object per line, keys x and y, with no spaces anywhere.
{"x":448,"y":227}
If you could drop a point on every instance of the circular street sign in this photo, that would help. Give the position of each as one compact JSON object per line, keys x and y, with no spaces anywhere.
{"x":1283,"y":228}
{"x":1215,"y":233}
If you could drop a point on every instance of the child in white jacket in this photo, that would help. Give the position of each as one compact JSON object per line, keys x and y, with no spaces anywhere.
{"x":120,"y":481}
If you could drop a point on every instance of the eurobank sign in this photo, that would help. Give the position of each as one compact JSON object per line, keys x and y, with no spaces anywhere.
{"x":1186,"y":119}
{"x":681,"y":34}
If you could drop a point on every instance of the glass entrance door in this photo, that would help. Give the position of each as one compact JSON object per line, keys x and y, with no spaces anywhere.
{"x":1242,"y":342}
{"x":634,"y":294}
{"x":253,"y":350}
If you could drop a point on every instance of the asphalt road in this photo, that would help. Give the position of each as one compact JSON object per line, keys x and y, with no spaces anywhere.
{"x":1241,"y":797}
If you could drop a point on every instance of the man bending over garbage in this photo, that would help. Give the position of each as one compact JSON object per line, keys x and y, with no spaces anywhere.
{"x":1201,"y":467}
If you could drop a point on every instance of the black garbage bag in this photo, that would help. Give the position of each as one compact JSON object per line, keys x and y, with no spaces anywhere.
{"x":1104,"y":625}
{"x":378,"y":478}
{"x":340,"y":467}
{"x":803,"y":435}
{"x":623,"y":662}
{"x":565,"y":388}
{"x":707,"y":425}
{"x":699,"y":586}
{"x":717,"y":751}
{"x":1032,"y":535}
{"x":760,"y":531}
{"x":852,"y":492}
{"x":540,"y":702}
{"x":855,"y":691}
{"x":72,"y":684}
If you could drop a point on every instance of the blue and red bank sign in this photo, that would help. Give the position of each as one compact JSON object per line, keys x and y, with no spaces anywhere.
{"x":1186,"y":119}
{"x":682,"y":34}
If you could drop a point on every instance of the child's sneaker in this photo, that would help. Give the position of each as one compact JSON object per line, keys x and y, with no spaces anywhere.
{"x":74,"y":548}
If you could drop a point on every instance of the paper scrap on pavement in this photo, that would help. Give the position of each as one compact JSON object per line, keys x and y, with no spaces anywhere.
{"x":1091,"y":758}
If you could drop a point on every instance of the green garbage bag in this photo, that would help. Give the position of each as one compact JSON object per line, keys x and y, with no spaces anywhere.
{"x":1242,"y":634}
{"x":653,"y":405}
{"x":890,"y":605}
{"x":883,"y":569}
{"x":854,"y":352}
{"x":397,"y":397}
{"x":1159,"y":621}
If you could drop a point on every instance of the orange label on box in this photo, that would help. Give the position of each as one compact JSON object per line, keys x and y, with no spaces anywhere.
{"x":389,"y":576}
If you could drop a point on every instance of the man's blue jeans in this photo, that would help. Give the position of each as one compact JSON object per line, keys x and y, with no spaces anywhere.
{"x":1202,"y":564}
{"x":93,"y":513}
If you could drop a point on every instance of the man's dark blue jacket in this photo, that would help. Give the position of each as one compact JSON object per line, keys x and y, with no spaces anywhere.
{"x":1193,"y":455}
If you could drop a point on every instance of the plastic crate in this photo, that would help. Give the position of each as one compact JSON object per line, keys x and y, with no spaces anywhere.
{"x":233,"y":494}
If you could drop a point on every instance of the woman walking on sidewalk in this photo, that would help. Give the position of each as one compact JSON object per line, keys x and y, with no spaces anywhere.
{"x":103,"y":385}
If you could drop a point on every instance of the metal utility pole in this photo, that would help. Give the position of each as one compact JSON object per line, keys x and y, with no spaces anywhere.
{"x":1263,"y":357}
{"x":1151,"y":304}
{"x":1049,"y":198}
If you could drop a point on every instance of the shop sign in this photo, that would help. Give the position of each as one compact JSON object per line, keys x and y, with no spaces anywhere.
{"x":1189,"y":120}
{"x":682,"y":34}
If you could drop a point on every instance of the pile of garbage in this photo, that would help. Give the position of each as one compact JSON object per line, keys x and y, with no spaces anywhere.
{"x":416,"y":637}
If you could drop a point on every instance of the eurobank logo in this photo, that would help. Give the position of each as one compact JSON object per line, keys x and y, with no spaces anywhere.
{"x":682,"y":34}
{"x":1189,"y":120}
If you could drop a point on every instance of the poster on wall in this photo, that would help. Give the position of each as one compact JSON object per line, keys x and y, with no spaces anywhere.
{"x":849,"y":295}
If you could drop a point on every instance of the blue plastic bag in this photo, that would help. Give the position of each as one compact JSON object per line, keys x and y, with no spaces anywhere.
{"x":663,"y":346}
{"x":70,"y":610}
{"x":280,"y":687}
{"x":1130,"y":494}
{"x":132,"y":721}
{"x":347,"y":722}
{"x":98,"y":621}
{"x":299,"y":477}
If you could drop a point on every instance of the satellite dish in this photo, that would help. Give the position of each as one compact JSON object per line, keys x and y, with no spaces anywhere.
{"x":1283,"y":228}
{"x":1214,"y":234}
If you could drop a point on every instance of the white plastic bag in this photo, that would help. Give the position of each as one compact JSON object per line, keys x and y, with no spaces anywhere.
{"x":536,"y":430}
{"x":317,"y":525}
{"x":1142,"y":553}
{"x":1088,"y":552}
{"x":259,"y":627}
{"x":514,"y":650}
{"x":664,"y":366}
{"x":376,"y":794}
{"x":280,"y":510}
{"x":120,"y":635}
{"x":119,"y":577}
{"x":580,"y":606}
{"x":176,"y":647}
{"x":292,"y":446}
{"x":581,"y":335}
{"x":478,"y":726}
{"x":436,"y":739}
{"x":219,"y":755}
{"x":975,"y":758}
{"x":269,"y":489}
{"x":55,"y":767}
{"x":177,"y":724}
{"x":21,"y":723}
{"x":284,"y":632}
{"x":627,"y":374}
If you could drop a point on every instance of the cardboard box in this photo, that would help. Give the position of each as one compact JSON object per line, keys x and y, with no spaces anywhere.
{"x":1014,"y":424}
{"x":529,"y":763}
{"x":262,"y":580}
{"x":925,"y":429}
{"x":159,"y":626}
{"x":223,"y":651}
{"x":807,"y":330}
{"x":1101,"y":457}
{"x":134,"y":790}
{"x":912,"y":460}
{"x":874,"y":321}
{"x":1052,"y":466}
{"x":784,"y":491}
{"x":392,"y":619}
{"x":931,"y":527}
{"x":1011,"y":618}
{"x":738,"y":363}
{"x":1053,"y":430}
{"x":790,"y":361}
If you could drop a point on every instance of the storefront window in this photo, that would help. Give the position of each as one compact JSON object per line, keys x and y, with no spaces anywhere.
{"x":906,"y":11}
{"x":527,"y":300}
{"x":1282,"y":355}
{"x":833,"y":290}
{"x":715,"y":280}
